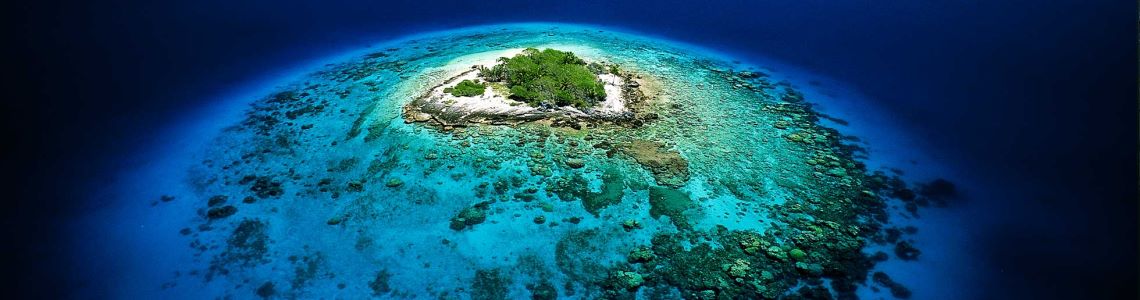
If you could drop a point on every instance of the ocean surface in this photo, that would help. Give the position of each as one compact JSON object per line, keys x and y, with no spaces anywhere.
{"x":850,"y":150}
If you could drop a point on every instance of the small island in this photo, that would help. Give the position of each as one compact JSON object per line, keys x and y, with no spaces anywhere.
{"x":533,"y":85}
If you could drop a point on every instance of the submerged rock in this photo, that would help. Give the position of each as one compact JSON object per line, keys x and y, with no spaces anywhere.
{"x":897,"y":289}
{"x":624,"y":280}
{"x":542,"y":291}
{"x":576,"y":163}
{"x":469,"y":217}
{"x":906,"y":251}
{"x":667,"y":166}
{"x":264,"y":187}
{"x":777,"y":253}
{"x":613,"y":189}
{"x":939,"y":191}
{"x":355,"y":186}
{"x":837,"y":172}
{"x":266,"y":290}
{"x":490,"y":284}
{"x":810,"y":269}
{"x":669,"y":202}
{"x":797,"y":254}
{"x":221,"y":212}
{"x":247,"y":246}
{"x":574,"y":186}
{"x":217,"y":200}
{"x":739,"y":268}
{"x":750,"y":242}
{"x":641,"y":254}
{"x":630,"y":225}
{"x":379,"y":284}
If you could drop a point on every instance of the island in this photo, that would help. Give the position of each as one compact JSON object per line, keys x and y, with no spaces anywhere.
{"x":534,"y":85}
{"x":624,"y":167}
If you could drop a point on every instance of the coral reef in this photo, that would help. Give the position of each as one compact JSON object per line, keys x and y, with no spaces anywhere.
{"x":669,"y":202}
{"x":711,"y":180}
{"x":470,"y":216}
{"x":667,"y":166}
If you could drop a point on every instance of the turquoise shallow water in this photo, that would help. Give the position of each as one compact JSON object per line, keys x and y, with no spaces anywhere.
{"x":336,"y":196}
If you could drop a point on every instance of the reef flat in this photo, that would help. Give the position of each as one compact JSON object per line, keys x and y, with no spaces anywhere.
{"x":690,"y":177}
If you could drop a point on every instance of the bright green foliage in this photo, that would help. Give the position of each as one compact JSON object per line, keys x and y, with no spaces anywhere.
{"x":548,"y":76}
{"x":467,"y":88}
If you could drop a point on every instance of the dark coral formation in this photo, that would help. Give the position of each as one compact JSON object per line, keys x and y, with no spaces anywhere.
{"x":940,"y":191}
{"x":906,"y":251}
{"x":307,"y":268}
{"x":490,"y":285}
{"x":542,"y":291}
{"x":247,"y":246}
{"x":216,"y":200}
{"x":822,"y":233}
{"x":470,"y":216}
{"x":574,"y":187}
{"x":267,"y":290}
{"x":669,"y":202}
{"x":749,"y":265}
{"x":379,"y":284}
{"x":221,"y":212}
{"x":897,"y":290}
{"x":667,"y":166}
{"x":263,"y":187}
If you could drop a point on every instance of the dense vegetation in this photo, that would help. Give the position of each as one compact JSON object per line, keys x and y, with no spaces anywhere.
{"x":548,"y":77}
{"x":467,"y":88}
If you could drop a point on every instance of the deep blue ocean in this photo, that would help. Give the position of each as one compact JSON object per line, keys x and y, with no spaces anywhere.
{"x":1030,"y":106}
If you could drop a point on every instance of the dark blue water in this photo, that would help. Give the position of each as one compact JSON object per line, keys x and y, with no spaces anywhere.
{"x":1036,"y":99}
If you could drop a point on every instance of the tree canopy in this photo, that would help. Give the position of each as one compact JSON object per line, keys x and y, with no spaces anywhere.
{"x":467,"y":88}
{"x":549,"y":76}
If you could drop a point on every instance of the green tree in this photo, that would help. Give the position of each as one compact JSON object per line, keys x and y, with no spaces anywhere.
{"x":467,"y":88}
{"x":549,"y":76}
